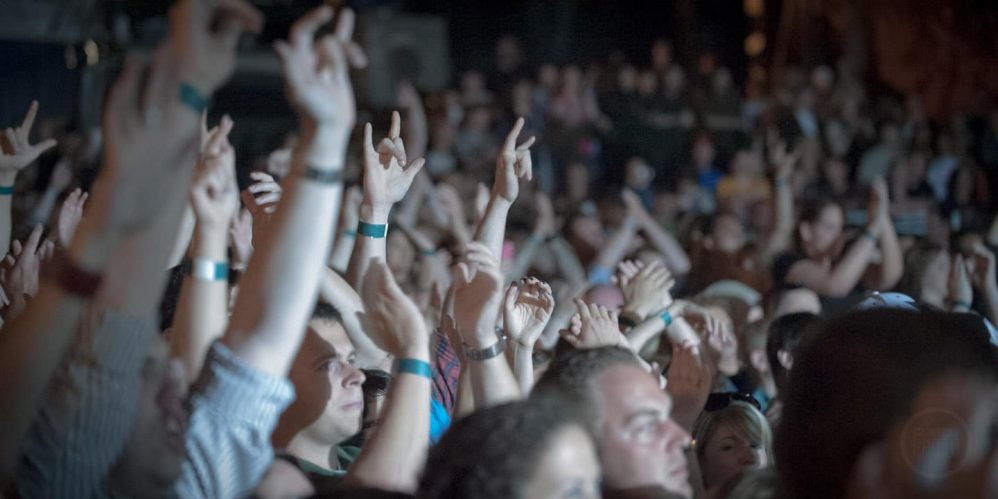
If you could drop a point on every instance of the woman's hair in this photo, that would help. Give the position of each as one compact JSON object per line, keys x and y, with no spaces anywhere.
{"x":741,"y":417}
{"x":916,"y":261}
{"x":810,"y":211}
{"x":492,"y":453}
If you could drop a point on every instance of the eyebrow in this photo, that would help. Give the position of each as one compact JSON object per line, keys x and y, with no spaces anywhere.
{"x":322,"y":359}
{"x":642,"y":414}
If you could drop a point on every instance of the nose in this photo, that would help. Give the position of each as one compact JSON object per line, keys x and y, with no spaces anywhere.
{"x":676,"y":435}
{"x":354,"y":377}
{"x":748,"y":457}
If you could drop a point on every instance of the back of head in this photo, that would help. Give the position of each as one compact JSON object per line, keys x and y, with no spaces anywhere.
{"x":492,"y":453}
{"x":572,"y":375}
{"x":857,"y":377}
{"x":785,"y":334}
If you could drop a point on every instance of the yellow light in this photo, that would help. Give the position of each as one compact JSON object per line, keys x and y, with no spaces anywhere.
{"x":755,"y":44}
{"x":754,"y":8}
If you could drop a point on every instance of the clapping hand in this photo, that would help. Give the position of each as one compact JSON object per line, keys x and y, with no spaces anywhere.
{"x":646,"y":288}
{"x":477,"y":284}
{"x":527,"y":310}
{"x":594,"y":326}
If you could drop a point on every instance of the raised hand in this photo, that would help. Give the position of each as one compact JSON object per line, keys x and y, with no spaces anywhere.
{"x":784,"y":160}
{"x":961,"y":291}
{"x":69,"y":216}
{"x":723,"y":347}
{"x":635,"y":207}
{"x":214,"y":193}
{"x":646,"y":288}
{"x":21,"y":277}
{"x":261,"y":199}
{"x":594,"y":326}
{"x":204,"y":36}
{"x":62,"y":175}
{"x":879,"y":208}
{"x":393,"y":321}
{"x":17,"y":151}
{"x":241,"y":238}
{"x":478,"y":296}
{"x":316,"y":70}
{"x":387,"y":176}
{"x":983,"y":268}
{"x":527,"y":310}
{"x":513,"y":164}
{"x":689,"y":382}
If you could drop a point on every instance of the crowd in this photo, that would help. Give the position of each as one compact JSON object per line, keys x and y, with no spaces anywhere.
{"x":606,"y":281}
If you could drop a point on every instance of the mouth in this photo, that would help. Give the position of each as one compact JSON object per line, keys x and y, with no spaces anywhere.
{"x":354,"y":406}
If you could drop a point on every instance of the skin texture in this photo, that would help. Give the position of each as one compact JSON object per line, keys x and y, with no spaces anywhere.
{"x":569,"y":468}
{"x":641,"y":445}
{"x":727,"y":454}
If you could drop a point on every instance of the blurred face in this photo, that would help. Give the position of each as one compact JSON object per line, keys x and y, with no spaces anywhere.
{"x":728,"y":234}
{"x":640,"y":444}
{"x":329,"y":401}
{"x":821,"y":236}
{"x":568,"y":469}
{"x":156,"y":448}
{"x":703,"y":152}
{"x":729,"y":453}
{"x":589,"y":230}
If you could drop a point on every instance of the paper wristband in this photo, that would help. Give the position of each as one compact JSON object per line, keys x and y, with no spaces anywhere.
{"x":192,"y":98}
{"x":207,"y":270}
{"x":666,"y":318}
{"x":372,"y":230}
{"x":414,"y":366}
{"x":6,"y":190}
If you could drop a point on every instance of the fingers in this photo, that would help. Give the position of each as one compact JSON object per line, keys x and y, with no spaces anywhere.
{"x":120,"y":108}
{"x":509,"y":301}
{"x":157,"y":81}
{"x":220,"y":135}
{"x":241,"y":14}
{"x":368,"y":138}
{"x":413,"y":169}
{"x":303,"y":30}
{"x":510,"y":144}
{"x":31,"y":246}
{"x":29,"y":118}
{"x":344,"y":26}
{"x":388,"y":147}
{"x":396,"y":128}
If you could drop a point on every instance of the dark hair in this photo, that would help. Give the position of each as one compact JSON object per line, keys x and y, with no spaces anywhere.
{"x":810,"y":211}
{"x":916,"y":262}
{"x":171,"y":296}
{"x":491,"y":453}
{"x":324,"y":311}
{"x":858,"y":376}
{"x":572,"y":374}
{"x":786,"y":333}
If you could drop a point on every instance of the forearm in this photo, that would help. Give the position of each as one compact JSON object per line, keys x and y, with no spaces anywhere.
{"x":202,"y":308}
{"x":277,"y":293}
{"x":43,"y":210}
{"x":365,"y":248}
{"x":465,"y":396}
{"x":335,"y":290}
{"x":523,"y":367}
{"x":492,"y":230}
{"x":782,"y":234}
{"x":393,"y":457}
{"x":616,"y":248}
{"x":492,"y":382}
{"x":343,"y":249}
{"x":849,"y":270}
{"x":184,"y":235}
{"x":675,"y":257}
{"x":892,"y":266}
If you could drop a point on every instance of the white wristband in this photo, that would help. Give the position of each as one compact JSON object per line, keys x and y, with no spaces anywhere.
{"x":208,"y":270}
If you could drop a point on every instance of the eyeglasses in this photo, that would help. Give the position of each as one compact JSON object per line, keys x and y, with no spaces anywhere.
{"x":720,"y":400}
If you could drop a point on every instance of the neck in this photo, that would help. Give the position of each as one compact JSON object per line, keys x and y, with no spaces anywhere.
{"x":322,"y":454}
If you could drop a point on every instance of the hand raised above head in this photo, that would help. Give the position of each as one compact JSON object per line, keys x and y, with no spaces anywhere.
{"x":513,"y":164}
{"x":18,"y":152}
{"x":204,"y":36}
{"x":527,"y":309}
{"x":387,"y":173}
{"x":394,"y":322}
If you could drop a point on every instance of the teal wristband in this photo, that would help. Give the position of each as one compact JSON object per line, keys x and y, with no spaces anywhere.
{"x":961,"y":304}
{"x":6,"y":190}
{"x":869,"y":235}
{"x":207,"y":270}
{"x":376,"y":231}
{"x":666,"y":318}
{"x":414,"y":366}
{"x":428,"y":252}
{"x":192,"y":98}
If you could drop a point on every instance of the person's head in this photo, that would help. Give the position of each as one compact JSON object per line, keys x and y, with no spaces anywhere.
{"x":675,"y":81}
{"x":793,"y":299}
{"x":731,"y":440}
{"x":156,"y":448}
{"x":640,"y":445}
{"x":627,"y":79}
{"x":820,"y":227}
{"x":647,"y":83}
{"x":661,"y":54}
{"x":703,"y":150}
{"x":926,"y":273}
{"x":725,"y":234}
{"x":522,"y":450}
{"x":329,"y":401}
{"x":910,"y":394}
{"x":783,"y":341}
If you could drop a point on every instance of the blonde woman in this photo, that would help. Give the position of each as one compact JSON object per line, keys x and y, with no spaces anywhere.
{"x":731,"y":436}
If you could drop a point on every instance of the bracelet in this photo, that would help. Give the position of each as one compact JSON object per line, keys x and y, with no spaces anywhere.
{"x":192,"y":98}
{"x":70,"y":277}
{"x":414,"y":366}
{"x":6,"y":190}
{"x":208,"y":270}
{"x":870,"y":236}
{"x":376,"y":231}
{"x":428,"y":252}
{"x":488,"y":353}
{"x":323,"y":176}
{"x":960,"y":304}
{"x":666,"y":318}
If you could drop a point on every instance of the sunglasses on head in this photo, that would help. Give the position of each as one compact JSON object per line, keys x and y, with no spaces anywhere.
{"x":720,"y":400}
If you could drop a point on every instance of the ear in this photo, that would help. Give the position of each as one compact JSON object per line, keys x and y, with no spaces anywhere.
{"x":786,"y":359}
{"x":757,"y":358}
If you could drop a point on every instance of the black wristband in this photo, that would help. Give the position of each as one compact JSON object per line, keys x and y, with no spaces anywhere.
{"x":323,"y":176}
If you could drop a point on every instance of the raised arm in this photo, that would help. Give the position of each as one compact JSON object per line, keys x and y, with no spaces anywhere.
{"x":392,"y":458}
{"x":782,"y":236}
{"x":203,"y":306}
{"x":335,"y":290}
{"x":526,"y":311}
{"x":512,"y":164}
{"x":15,"y":155}
{"x":545,"y":226}
{"x":477,"y":301}
{"x":891,"y":265}
{"x":278,"y":290}
{"x":675,"y":256}
{"x":387,"y":177}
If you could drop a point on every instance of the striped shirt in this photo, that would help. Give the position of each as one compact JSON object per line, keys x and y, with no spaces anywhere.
{"x":81,"y":430}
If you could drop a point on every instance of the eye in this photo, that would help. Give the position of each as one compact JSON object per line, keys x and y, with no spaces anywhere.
{"x":352,"y":360}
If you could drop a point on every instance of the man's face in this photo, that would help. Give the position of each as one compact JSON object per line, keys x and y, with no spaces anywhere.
{"x":156,"y":448}
{"x":641,"y":445}
{"x":329,"y":398}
